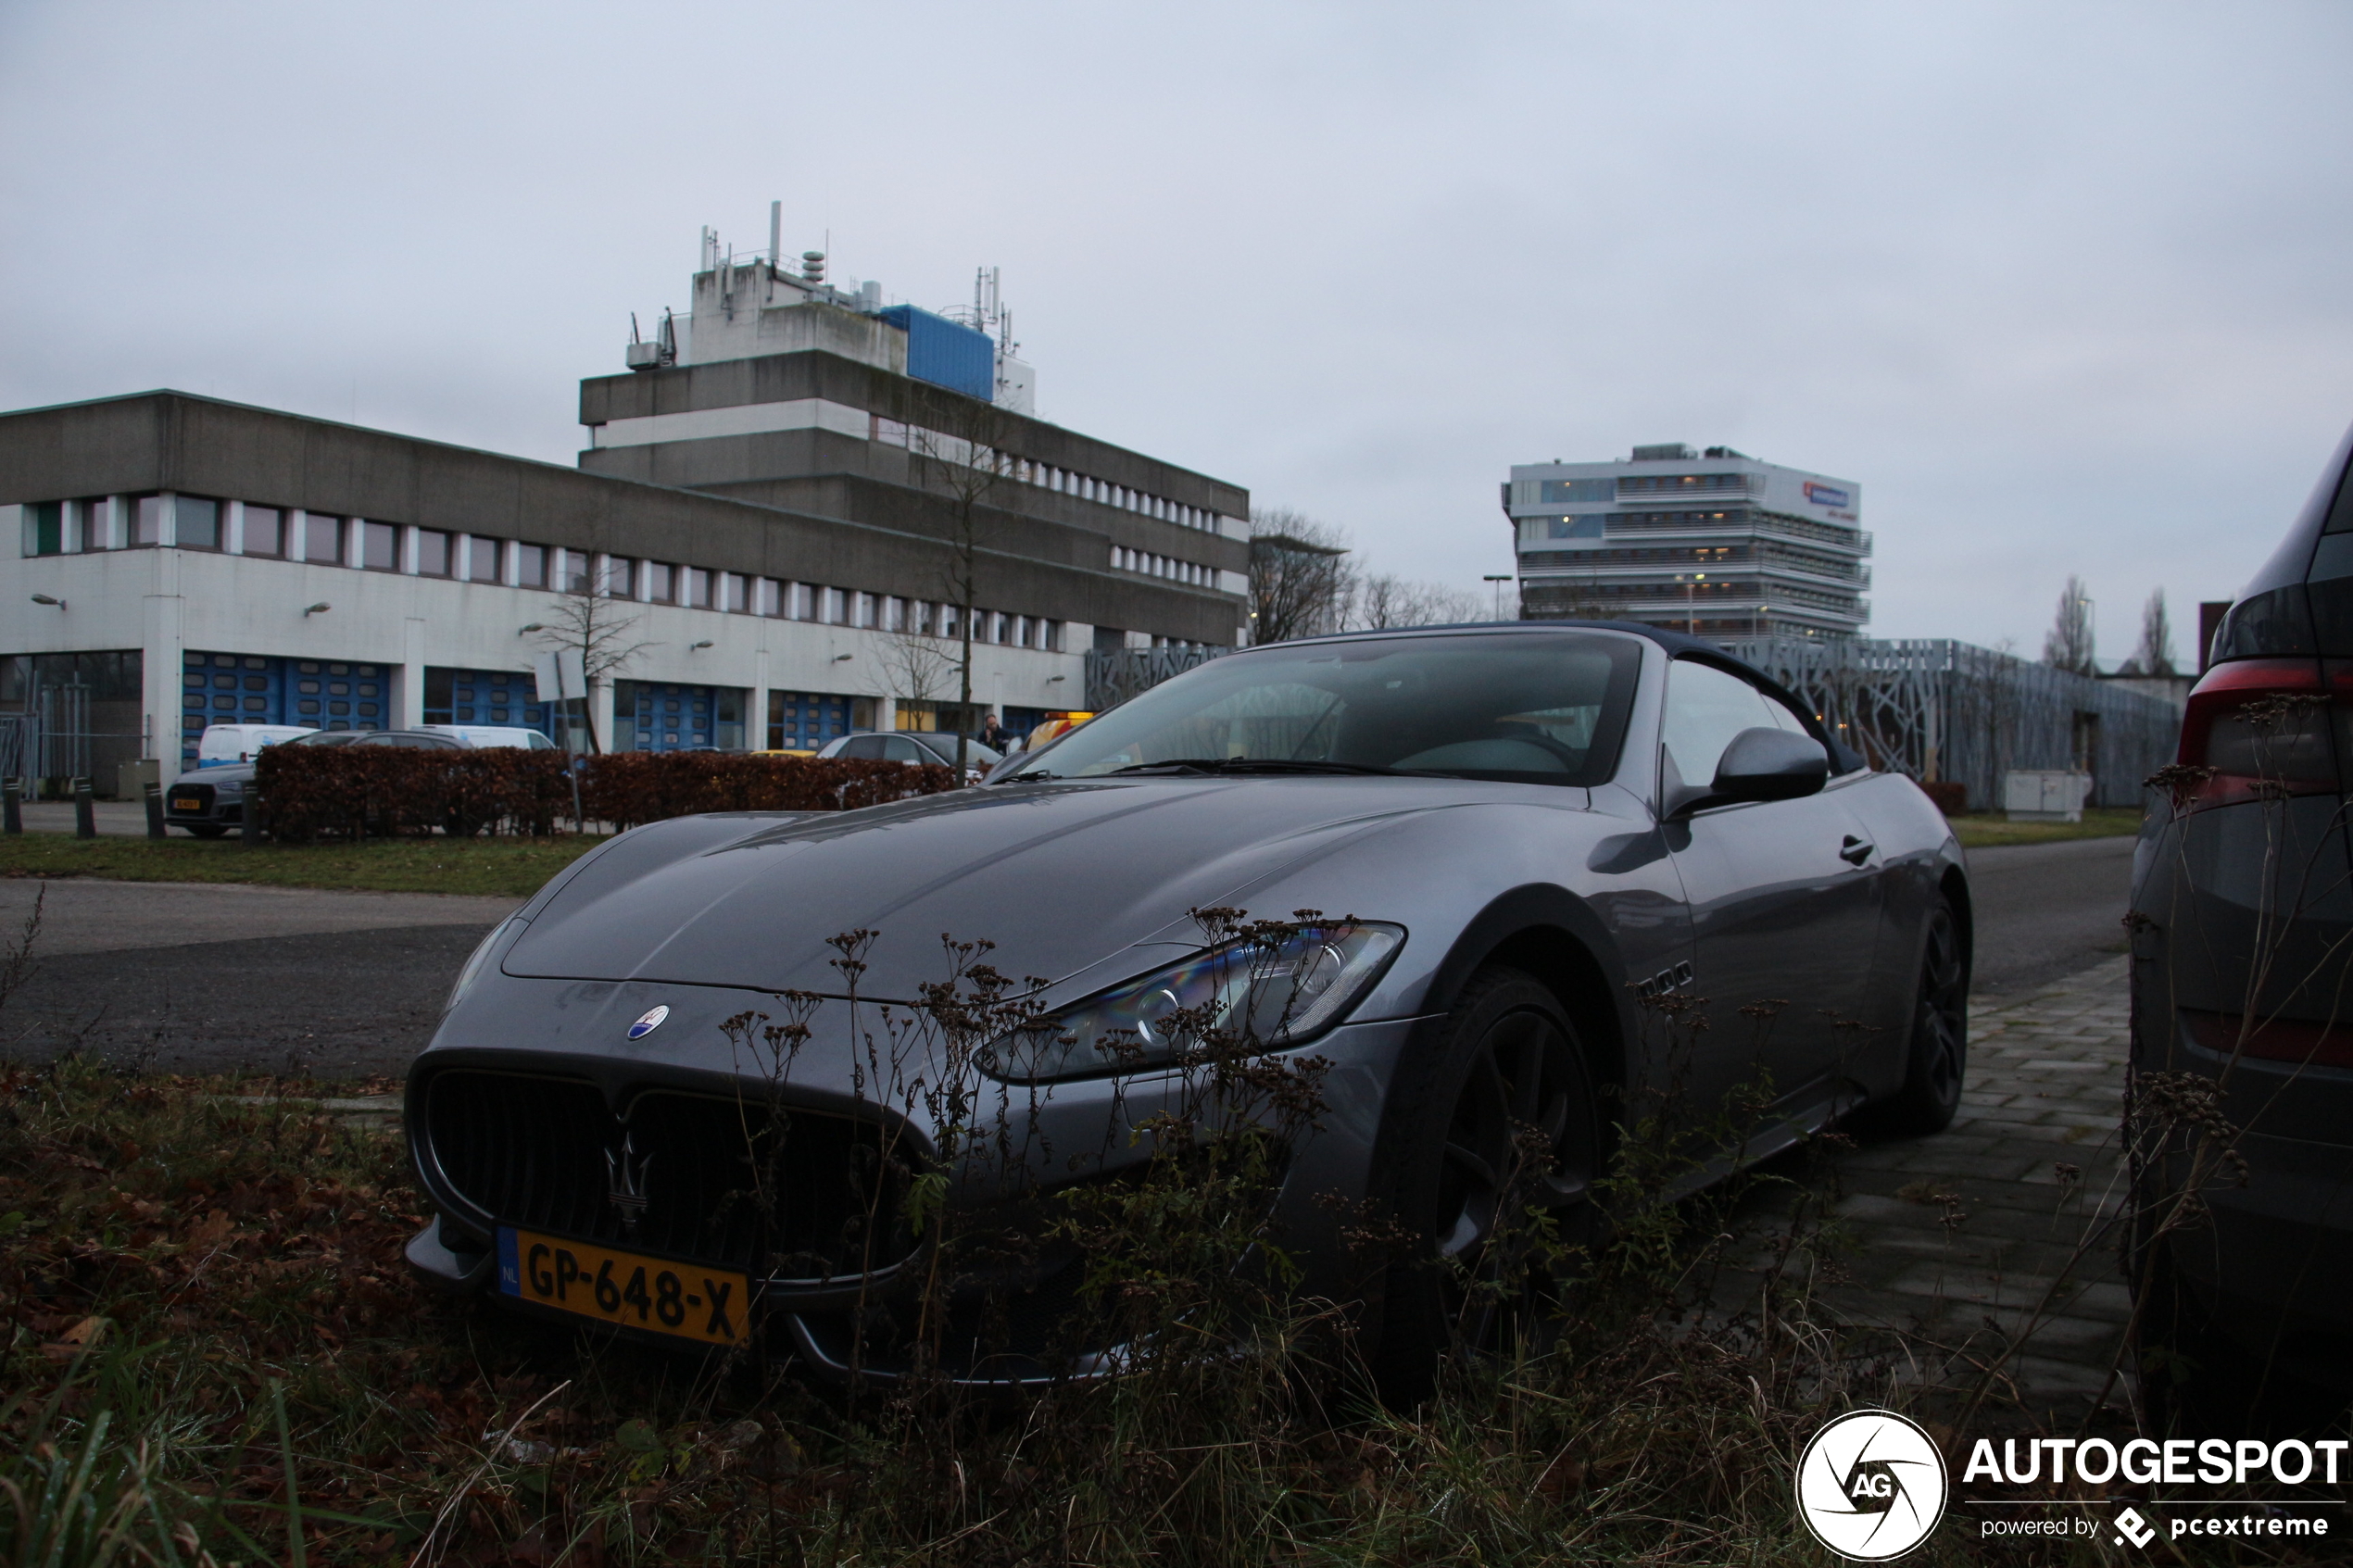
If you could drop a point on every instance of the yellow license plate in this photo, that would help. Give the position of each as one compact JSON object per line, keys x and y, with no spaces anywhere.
{"x":626,"y":1288}
{"x":184,"y":804}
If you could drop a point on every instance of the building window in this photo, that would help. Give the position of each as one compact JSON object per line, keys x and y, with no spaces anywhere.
{"x":196,"y":523}
{"x":531,"y":566}
{"x":697,"y":587}
{"x":433,"y":553}
{"x":805,"y":599}
{"x":146,"y":521}
{"x":44,"y":528}
{"x":734,"y":593}
{"x":656,"y":581}
{"x":769,"y":598}
{"x":482,"y":560}
{"x":265,"y":532}
{"x":321,"y":539}
{"x":572,"y":571}
{"x":379,"y":546}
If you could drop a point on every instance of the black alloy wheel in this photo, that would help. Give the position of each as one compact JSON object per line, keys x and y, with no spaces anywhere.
{"x":1499,"y":1128}
{"x":1936,"y":1056}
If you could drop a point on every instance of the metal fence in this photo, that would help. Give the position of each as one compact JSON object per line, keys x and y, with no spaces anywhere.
{"x":1941,"y":709}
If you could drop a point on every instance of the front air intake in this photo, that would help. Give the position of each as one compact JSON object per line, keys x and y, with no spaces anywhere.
{"x":778,"y":1191}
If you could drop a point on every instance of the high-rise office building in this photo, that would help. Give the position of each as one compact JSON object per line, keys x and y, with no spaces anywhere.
{"x":1714,"y":543}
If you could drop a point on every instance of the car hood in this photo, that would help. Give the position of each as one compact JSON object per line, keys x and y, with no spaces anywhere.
{"x":1059,"y":876}
{"x":227,"y":773}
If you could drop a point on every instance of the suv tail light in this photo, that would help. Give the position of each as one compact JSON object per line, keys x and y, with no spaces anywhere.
{"x":2272,"y":1039}
{"x":2268,"y":727}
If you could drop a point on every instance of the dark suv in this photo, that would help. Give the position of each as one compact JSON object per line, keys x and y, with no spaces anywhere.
{"x":2240,"y":1105}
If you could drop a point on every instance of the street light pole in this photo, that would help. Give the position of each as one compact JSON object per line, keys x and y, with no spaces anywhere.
{"x":1498,"y":580}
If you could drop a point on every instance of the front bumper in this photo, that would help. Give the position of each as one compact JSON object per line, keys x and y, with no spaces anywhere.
{"x":211,"y":808}
{"x":1071,"y":1133}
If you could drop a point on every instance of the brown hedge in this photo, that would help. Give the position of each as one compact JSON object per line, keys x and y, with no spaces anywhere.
{"x":347,"y":790}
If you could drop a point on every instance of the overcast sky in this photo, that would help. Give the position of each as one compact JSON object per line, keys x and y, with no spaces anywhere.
{"x":2063,"y":287}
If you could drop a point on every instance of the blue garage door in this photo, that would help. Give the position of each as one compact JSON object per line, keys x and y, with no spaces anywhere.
{"x":659,"y":716}
{"x":805,"y":721}
{"x":486,"y":697}
{"x":237,"y":688}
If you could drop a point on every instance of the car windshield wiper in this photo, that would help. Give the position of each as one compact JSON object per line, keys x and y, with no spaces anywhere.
{"x":1209,"y":765}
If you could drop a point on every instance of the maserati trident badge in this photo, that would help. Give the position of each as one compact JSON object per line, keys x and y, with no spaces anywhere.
{"x":625,"y":1183}
{"x":649,"y":1022}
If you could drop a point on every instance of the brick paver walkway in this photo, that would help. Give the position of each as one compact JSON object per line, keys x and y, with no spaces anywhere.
{"x":1990,"y":1230}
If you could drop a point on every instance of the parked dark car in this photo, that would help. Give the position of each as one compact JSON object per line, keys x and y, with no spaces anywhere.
{"x":2242,"y":918}
{"x":210,"y":801}
{"x":919,"y":747}
{"x":1516,"y":835}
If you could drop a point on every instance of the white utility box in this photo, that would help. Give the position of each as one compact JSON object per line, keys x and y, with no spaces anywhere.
{"x":2053,"y":794}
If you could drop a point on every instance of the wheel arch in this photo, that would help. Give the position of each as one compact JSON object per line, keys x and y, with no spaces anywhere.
{"x":1953,"y":885}
{"x":1557,"y":939}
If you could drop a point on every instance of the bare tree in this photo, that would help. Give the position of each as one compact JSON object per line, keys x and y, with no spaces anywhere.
{"x":595,"y":625}
{"x":1301,"y":583}
{"x":2155,"y":654}
{"x":2068,"y":644}
{"x":959,"y":447}
{"x":1383,"y":601}
{"x":917,"y":662}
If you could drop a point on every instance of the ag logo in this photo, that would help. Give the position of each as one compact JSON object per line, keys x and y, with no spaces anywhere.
{"x":1871,"y":1485}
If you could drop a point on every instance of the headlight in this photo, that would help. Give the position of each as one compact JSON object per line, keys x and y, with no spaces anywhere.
{"x":480,"y":959}
{"x":1254,"y":995}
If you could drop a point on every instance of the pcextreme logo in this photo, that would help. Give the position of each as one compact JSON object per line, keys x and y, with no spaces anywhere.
{"x":1871,"y":1485}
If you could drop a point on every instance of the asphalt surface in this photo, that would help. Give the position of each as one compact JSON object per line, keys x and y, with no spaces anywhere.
{"x":2045,"y":911}
{"x":200,"y":978}
{"x":192,"y":977}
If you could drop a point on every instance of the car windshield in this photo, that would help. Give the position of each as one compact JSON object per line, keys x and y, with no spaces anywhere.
{"x":1522,"y":707}
{"x":327,"y":737}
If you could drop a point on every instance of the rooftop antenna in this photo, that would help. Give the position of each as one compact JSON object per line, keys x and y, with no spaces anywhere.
{"x":775,"y":234}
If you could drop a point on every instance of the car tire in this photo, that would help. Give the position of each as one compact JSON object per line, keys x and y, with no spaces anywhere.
{"x":1505,"y":1058}
{"x":205,"y":830}
{"x":1936,"y":1046}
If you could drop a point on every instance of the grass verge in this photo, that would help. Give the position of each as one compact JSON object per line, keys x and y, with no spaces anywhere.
{"x":1984,"y":830}
{"x":216,"y":1354}
{"x":508,"y":867}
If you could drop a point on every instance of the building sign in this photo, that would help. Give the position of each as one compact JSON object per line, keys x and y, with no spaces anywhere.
{"x":1827,"y":495}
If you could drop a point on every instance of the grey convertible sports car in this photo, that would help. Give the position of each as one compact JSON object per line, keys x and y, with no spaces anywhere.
{"x":693,"y":1088}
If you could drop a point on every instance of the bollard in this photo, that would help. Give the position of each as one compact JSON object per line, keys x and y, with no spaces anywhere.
{"x":85,"y":816}
{"x":250,"y":823}
{"x":11,"y":806}
{"x":154,"y":793}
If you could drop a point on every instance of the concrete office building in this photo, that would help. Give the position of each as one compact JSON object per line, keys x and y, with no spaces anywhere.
{"x":781,"y":491}
{"x":1714,"y":543}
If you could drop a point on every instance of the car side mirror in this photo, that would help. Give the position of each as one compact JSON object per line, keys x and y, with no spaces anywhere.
{"x":1770,"y":764}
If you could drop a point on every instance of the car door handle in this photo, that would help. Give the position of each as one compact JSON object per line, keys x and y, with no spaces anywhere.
{"x":1855,"y":850}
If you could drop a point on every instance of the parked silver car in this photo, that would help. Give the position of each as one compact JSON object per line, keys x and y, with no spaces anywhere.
{"x":1523,"y":839}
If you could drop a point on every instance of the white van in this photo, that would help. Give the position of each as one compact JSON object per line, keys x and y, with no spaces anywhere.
{"x":481,"y":736}
{"x":222,"y":744}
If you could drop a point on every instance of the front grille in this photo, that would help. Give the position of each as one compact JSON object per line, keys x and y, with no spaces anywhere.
{"x":785,"y":1193}
{"x":201,"y":793}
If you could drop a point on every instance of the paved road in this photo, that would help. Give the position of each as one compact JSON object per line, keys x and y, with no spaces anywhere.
{"x":198,"y":977}
{"x":2047,"y":910}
